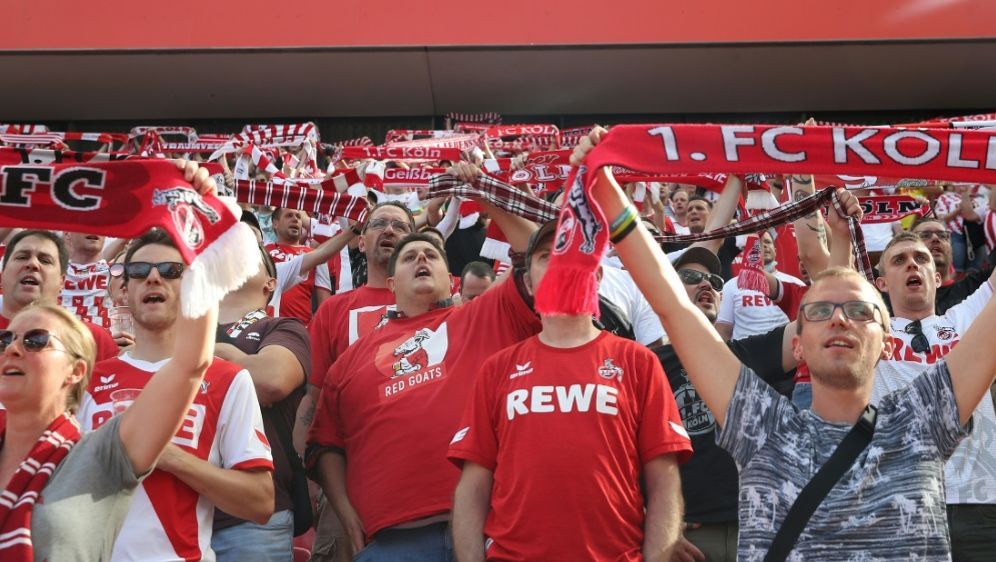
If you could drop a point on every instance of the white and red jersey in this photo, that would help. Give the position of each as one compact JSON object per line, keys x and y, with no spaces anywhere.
{"x":341,"y":320}
{"x":989,"y":227}
{"x":752,"y":312}
{"x":946,"y":203}
{"x":545,"y":419}
{"x":85,"y":292}
{"x":393,"y":399}
{"x":168,"y":520}
{"x":296,"y":302}
{"x":970,"y":473}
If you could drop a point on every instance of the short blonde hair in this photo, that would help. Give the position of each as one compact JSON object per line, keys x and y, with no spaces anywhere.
{"x":846,"y":273}
{"x":78,"y":340}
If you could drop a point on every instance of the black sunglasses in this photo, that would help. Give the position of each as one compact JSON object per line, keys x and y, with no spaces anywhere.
{"x":33,"y":340}
{"x":693,"y":277}
{"x":142,"y":269}
{"x":920,"y":344}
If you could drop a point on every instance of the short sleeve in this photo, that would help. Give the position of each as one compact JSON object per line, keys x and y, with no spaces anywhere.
{"x":106,"y":446}
{"x":291,"y":334}
{"x":933,"y":399}
{"x":762,"y":353}
{"x":320,"y":333}
{"x":322,"y":278}
{"x":790,"y":298}
{"x":726,"y":304}
{"x":289,"y":273}
{"x":241,"y":440}
{"x":755,"y":412}
{"x":325,"y":430}
{"x":476,"y":439}
{"x":503,"y":308}
{"x":646,"y":324}
{"x":964,"y":313}
{"x":661,"y":431}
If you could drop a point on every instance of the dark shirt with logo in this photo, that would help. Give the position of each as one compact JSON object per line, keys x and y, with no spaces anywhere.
{"x":291,"y":334}
{"x":709,"y":480}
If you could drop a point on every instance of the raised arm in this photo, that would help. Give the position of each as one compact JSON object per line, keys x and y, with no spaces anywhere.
{"x":810,"y":230}
{"x":722,"y":213}
{"x":516,"y":229}
{"x":326,"y":250}
{"x":147,"y":426}
{"x":710,"y":364}
{"x":972,"y":362}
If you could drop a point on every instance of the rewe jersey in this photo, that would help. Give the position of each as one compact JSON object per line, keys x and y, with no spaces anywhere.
{"x":85,"y":292}
{"x":751,"y":312}
{"x":567,"y":433}
{"x":296,"y":302}
{"x":341,"y":320}
{"x":168,"y":520}
{"x":970,"y":473}
{"x":393,"y":400}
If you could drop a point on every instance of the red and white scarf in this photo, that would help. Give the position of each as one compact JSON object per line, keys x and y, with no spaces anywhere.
{"x":288,"y":194}
{"x":18,"y":499}
{"x":879,"y":151}
{"x":125,"y":199}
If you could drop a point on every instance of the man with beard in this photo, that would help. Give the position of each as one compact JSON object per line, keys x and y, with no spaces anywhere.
{"x":887,"y":504}
{"x":34,"y":271}
{"x":950,"y":291}
{"x":921,"y":339}
{"x":288,"y":225}
{"x":341,"y":320}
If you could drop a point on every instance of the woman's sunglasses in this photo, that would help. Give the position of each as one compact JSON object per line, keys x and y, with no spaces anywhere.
{"x":34,"y":340}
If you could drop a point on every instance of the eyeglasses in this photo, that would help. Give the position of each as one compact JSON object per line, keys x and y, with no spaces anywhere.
{"x":820,"y":311}
{"x":919,"y":343}
{"x":693,"y":277}
{"x":35,"y":340}
{"x":117,"y":269}
{"x":381,"y":224}
{"x":141,"y":269}
{"x":928,"y":234}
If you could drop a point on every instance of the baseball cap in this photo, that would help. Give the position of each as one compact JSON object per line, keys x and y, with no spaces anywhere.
{"x":702,"y":256}
{"x":545,"y":231}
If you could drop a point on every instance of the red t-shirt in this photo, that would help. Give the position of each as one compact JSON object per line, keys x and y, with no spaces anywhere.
{"x":567,"y":433}
{"x":106,"y":348}
{"x":392,"y":401}
{"x":341,"y":320}
{"x":296,"y":302}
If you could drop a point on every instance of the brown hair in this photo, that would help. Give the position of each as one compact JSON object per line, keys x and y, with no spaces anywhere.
{"x":904,"y":236}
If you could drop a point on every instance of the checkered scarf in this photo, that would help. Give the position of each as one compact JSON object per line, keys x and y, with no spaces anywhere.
{"x":17,"y":501}
{"x":499,"y":194}
{"x":322,"y":199}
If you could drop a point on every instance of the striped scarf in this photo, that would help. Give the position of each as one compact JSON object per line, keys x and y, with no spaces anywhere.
{"x":25,"y":487}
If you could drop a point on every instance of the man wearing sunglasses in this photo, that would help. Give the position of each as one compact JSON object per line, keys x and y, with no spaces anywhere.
{"x":922,"y":338}
{"x":219,"y":457}
{"x":34,"y":268}
{"x":950,"y":291}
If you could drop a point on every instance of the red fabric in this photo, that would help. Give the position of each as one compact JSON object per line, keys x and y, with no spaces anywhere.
{"x":537,"y":414}
{"x":341,"y":320}
{"x":25,"y":486}
{"x":122,"y":199}
{"x":295,"y":303}
{"x":791,"y":299}
{"x":787,"y":251}
{"x":570,"y":285}
{"x":402,"y":153}
{"x":325,"y":198}
{"x":751,"y":276}
{"x":392,"y":402}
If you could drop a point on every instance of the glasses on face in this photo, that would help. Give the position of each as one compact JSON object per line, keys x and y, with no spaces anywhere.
{"x":820,"y":311}
{"x":142,"y":269}
{"x":919,"y":343}
{"x":381,"y":224}
{"x":693,"y":277}
{"x":928,"y":234}
{"x":117,"y":269}
{"x":35,"y":340}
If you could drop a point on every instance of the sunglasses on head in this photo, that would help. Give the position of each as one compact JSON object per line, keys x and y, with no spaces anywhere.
{"x":142,"y":269}
{"x":33,"y":340}
{"x":693,"y":277}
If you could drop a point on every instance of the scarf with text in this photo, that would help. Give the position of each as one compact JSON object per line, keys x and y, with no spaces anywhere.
{"x":945,"y":154}
{"x":18,"y":499}
{"x":125,"y":199}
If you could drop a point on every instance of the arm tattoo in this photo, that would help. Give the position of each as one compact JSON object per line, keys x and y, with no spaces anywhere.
{"x":801,"y":194}
{"x":308,"y":415}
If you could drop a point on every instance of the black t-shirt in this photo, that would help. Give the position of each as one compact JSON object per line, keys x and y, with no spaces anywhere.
{"x":291,"y":334}
{"x":709,"y":480}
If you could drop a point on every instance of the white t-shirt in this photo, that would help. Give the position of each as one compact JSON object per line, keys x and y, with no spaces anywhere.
{"x":877,"y":235}
{"x":169,"y":520}
{"x":751,"y":312}
{"x":84,"y":292}
{"x":618,"y":287}
{"x":970,"y":474}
